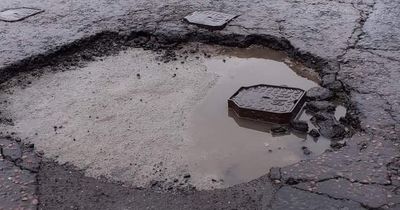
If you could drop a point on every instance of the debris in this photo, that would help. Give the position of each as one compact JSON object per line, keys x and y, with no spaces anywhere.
{"x":209,"y":19}
{"x":338,"y":144}
{"x":12,"y":151}
{"x":306,"y":151}
{"x":274,"y":173}
{"x":279,"y":130}
{"x":186,"y":176}
{"x":299,"y":125}
{"x":314,"y":133}
{"x":319,"y":94}
{"x":329,"y":126}
{"x":18,"y":14}
{"x":332,"y":130}
{"x":329,"y":81}
{"x":316,"y":106}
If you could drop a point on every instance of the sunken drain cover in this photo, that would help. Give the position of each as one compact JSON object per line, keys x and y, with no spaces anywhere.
{"x":275,"y":104}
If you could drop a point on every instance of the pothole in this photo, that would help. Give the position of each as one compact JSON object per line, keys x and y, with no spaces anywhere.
{"x":137,"y":118}
{"x":230,"y":150}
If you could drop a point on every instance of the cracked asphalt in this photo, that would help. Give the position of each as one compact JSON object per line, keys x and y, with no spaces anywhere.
{"x":354,"y":45}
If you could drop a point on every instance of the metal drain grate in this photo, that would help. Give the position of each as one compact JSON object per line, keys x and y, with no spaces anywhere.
{"x":275,"y":104}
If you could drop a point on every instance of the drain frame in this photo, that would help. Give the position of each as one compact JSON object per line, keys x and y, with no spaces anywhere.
{"x":267,"y":116}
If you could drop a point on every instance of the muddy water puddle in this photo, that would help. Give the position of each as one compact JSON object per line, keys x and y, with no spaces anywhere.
{"x":230,"y":150}
{"x":135,"y":119}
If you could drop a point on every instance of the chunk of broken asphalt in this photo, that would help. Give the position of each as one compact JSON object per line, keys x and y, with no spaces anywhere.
{"x":314,"y":133}
{"x":338,"y":144}
{"x":306,"y":151}
{"x":279,"y":130}
{"x":11,"y":151}
{"x":209,"y":19}
{"x":319,"y":94}
{"x":299,"y":125}
{"x":18,"y":14}
{"x":321,"y":116}
{"x":332,"y":129}
{"x":329,"y":81}
{"x":316,"y":106}
{"x":328,"y":125}
{"x":274,"y":173}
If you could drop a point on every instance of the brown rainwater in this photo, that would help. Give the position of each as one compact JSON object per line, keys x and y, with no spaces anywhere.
{"x":229,"y":150}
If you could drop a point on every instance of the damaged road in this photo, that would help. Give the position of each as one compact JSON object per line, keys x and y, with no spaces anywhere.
{"x":354,"y":45}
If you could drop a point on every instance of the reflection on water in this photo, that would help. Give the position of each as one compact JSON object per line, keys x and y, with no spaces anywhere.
{"x":239,"y":150}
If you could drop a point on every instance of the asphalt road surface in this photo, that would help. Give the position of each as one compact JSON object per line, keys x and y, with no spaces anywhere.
{"x":354,"y":45}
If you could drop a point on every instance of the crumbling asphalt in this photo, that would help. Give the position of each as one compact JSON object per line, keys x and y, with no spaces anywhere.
{"x":353,"y":44}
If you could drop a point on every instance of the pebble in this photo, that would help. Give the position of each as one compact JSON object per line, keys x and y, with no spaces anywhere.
{"x":314,"y":133}
{"x":306,"y":151}
{"x":299,"y":125}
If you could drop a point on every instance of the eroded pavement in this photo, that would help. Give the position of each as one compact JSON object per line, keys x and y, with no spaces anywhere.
{"x":354,"y":45}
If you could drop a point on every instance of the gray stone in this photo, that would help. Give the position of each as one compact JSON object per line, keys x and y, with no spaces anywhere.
{"x":319,"y":93}
{"x":332,"y":129}
{"x":306,"y":151}
{"x":274,"y":173}
{"x":338,"y":144}
{"x":314,"y":133}
{"x":279,"y":130}
{"x":12,"y":151}
{"x":328,"y":79}
{"x":317,"y":106}
{"x":209,"y":19}
{"x":299,"y":125}
{"x":18,"y":14}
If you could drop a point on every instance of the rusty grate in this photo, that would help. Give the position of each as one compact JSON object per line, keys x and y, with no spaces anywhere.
{"x":275,"y":104}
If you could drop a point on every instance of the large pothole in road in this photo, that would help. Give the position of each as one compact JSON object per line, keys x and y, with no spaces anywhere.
{"x":136,"y":119}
